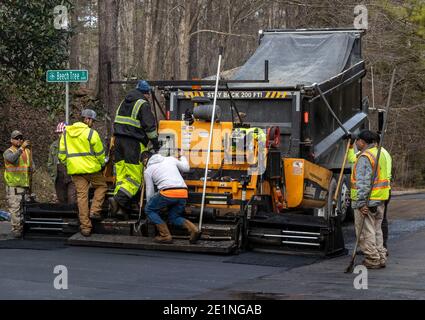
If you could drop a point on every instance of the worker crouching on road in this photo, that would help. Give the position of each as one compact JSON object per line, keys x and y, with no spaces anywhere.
{"x":18,"y":169}
{"x":81,"y":150}
{"x":164,"y":173}
{"x":134,"y":127}
{"x":371,"y":240}
{"x":65,"y":188}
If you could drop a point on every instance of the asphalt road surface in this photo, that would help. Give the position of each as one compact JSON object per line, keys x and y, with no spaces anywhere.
{"x":27,"y":269}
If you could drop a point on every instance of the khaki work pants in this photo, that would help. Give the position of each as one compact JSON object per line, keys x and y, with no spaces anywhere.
{"x":371,"y":239}
{"x":82,"y":184}
{"x":14,"y":198}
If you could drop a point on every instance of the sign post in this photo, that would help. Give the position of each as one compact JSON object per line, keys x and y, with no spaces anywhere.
{"x":67,"y":76}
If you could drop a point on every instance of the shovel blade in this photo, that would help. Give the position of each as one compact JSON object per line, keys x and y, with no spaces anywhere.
{"x":350,"y":268}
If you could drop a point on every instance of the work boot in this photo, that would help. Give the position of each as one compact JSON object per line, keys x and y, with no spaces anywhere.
{"x":17,"y":234}
{"x":113,"y":206}
{"x":369,"y":265}
{"x":193,"y":230}
{"x":86,"y":232}
{"x":116,"y":209}
{"x":95,"y":216}
{"x":164,"y":234}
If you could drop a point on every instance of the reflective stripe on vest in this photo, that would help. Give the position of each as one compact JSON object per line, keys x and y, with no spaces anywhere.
{"x":381,"y":185}
{"x":81,"y":154}
{"x":18,"y":175}
{"x":131,"y":121}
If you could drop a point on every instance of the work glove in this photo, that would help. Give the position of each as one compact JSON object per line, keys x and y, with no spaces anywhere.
{"x":350,"y":136}
{"x":26,"y":144}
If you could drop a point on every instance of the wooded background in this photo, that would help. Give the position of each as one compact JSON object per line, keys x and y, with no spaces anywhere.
{"x":179,"y":39}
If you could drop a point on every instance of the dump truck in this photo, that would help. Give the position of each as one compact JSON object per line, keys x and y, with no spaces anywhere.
{"x":278,"y":141}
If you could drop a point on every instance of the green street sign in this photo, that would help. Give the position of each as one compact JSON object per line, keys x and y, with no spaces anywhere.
{"x":67,"y":76}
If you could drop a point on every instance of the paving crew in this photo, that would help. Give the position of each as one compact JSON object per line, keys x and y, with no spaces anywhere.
{"x":134,"y":127}
{"x":352,"y":157}
{"x":371,"y":240}
{"x":17,"y":174}
{"x":81,"y":150}
{"x":165,"y":174}
{"x":65,"y":188}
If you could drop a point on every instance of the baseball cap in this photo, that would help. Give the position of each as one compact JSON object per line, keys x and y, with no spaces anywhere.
{"x":88,"y":113}
{"x":15,"y":134}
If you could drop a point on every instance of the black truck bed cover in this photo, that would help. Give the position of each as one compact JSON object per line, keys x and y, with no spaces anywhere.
{"x":300,"y":57}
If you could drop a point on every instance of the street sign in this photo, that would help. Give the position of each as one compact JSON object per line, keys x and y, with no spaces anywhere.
{"x":67,"y":76}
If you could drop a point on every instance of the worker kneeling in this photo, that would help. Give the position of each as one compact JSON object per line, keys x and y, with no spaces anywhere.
{"x":164,"y":173}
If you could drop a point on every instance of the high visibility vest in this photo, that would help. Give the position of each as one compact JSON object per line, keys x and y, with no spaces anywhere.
{"x":18,"y":175}
{"x":132,"y":119}
{"x":381,"y":185}
{"x":81,"y":154}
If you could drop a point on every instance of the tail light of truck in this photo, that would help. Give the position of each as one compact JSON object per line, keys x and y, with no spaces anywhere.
{"x":306,"y":117}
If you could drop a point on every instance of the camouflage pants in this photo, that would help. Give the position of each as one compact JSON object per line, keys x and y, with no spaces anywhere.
{"x":371,"y":239}
{"x":14,"y":198}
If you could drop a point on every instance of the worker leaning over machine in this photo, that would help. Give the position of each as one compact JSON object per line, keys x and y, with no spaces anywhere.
{"x":164,"y":173}
{"x":134,"y":127}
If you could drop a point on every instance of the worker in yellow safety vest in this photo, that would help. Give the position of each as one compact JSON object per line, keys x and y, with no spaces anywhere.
{"x":134,"y":128}
{"x":352,"y":157}
{"x":17,"y":174}
{"x":82,"y":151}
{"x":372,"y":211}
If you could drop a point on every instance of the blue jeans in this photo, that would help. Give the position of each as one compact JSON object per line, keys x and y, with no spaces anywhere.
{"x":175,"y":209}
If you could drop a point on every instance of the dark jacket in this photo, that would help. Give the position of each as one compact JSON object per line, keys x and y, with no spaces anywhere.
{"x":145,"y":116}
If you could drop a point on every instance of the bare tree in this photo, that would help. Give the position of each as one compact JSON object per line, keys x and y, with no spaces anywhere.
{"x":108,"y":53}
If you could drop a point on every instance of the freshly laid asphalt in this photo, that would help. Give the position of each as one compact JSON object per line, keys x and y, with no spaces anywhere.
{"x":27,"y":269}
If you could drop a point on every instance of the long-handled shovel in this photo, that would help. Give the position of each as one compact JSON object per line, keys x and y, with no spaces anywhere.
{"x":341,"y":174}
{"x":139,"y":221}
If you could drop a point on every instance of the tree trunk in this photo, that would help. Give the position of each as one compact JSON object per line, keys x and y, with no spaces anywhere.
{"x":126,"y":37}
{"x":150,"y":8}
{"x":187,"y":22}
{"x":108,"y":39}
{"x":152,"y":66}
{"x":74,"y":44}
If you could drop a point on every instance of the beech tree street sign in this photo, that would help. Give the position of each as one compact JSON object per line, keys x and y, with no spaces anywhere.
{"x":67,"y":76}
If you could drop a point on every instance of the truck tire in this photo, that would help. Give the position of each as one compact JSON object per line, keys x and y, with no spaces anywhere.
{"x":349,"y":216}
{"x":344,"y":201}
{"x":328,"y":210}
